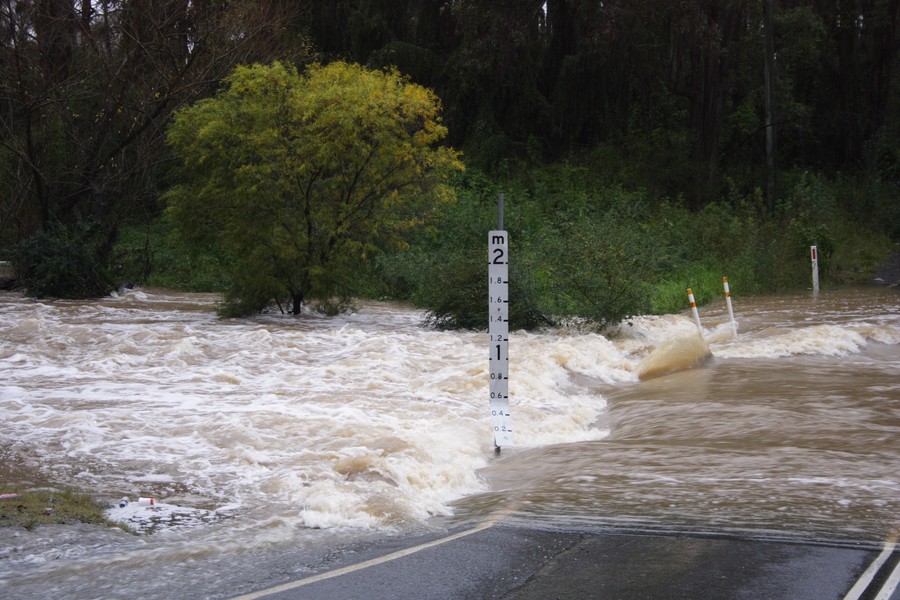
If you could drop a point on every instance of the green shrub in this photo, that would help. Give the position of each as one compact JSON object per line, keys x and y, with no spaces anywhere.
{"x":669,"y":294}
{"x":445,"y":270}
{"x":61,"y":262}
{"x":575,"y":254}
{"x":583,"y":249}
{"x":602,"y":265}
{"x":151,"y":254}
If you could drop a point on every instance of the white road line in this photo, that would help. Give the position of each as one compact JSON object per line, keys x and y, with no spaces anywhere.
{"x":365,"y":565}
{"x":866,"y":578}
{"x":890,"y":585}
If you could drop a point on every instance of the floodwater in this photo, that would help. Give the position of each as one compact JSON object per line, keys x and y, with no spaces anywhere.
{"x":277,"y":434}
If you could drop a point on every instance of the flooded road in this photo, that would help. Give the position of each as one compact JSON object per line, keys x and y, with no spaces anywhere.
{"x":307,"y":433}
{"x":792,"y":429}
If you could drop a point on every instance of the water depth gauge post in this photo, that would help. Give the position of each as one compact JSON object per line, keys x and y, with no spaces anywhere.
{"x":498,"y":330}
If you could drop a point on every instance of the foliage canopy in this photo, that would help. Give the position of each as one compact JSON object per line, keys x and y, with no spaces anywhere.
{"x":87,"y":90}
{"x":663,"y":100}
{"x":298,"y":178}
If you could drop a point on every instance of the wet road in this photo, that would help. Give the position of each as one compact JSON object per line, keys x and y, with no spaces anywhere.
{"x":511,"y":563}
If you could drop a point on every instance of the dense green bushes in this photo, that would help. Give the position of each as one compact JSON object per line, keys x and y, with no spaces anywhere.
{"x":151,"y":254}
{"x":594,"y":253}
{"x":583,"y":250}
{"x":61,"y":262}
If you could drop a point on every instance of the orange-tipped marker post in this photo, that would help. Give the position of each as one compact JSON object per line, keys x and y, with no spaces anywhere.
{"x":728,"y":303}
{"x":694,"y":308}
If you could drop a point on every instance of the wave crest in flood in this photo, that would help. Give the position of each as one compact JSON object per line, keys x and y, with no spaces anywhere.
{"x":675,"y":354}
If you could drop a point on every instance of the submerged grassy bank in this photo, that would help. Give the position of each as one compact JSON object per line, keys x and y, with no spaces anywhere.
{"x":47,"y":506}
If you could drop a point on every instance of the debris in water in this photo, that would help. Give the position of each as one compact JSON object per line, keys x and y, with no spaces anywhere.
{"x":147,"y":518}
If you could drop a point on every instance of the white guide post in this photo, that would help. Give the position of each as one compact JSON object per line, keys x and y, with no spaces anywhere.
{"x":728,"y":303}
{"x":814,"y":255}
{"x":498,"y":329}
{"x":690,"y":293}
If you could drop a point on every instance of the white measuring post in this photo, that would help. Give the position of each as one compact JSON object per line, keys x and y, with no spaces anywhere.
{"x":696,"y":312}
{"x":728,"y":303}
{"x":814,"y":255}
{"x":498,"y":329}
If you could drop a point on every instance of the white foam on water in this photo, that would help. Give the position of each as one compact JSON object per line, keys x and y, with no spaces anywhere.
{"x":814,"y":340}
{"x":638,"y":336}
{"x":837,"y":323}
{"x":367,"y":420}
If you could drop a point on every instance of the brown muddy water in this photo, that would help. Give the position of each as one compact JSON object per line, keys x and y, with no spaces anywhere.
{"x":791,"y":429}
{"x":274,"y":434}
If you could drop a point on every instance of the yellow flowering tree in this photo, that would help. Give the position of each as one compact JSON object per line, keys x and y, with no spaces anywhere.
{"x":298,"y":177}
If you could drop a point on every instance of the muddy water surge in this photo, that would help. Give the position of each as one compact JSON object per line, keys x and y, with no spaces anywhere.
{"x":274,"y":433}
{"x":789,"y":429}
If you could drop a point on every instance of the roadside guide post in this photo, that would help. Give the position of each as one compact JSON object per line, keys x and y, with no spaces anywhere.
{"x":690,"y":293}
{"x":728,"y":303}
{"x":814,"y":255}
{"x":498,"y":330}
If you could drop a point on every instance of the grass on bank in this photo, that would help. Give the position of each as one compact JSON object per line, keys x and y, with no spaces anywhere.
{"x":50,"y":507}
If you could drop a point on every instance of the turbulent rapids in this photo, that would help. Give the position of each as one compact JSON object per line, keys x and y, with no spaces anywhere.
{"x":674,"y":355}
{"x":265,"y":429}
{"x":365,"y":420}
{"x":368,"y":420}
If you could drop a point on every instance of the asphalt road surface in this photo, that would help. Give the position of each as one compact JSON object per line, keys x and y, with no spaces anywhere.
{"x":502,"y":562}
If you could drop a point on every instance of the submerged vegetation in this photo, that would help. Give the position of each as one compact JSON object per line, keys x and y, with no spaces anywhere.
{"x":49,"y":507}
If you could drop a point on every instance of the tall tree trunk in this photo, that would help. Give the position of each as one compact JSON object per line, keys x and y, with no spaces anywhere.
{"x":710,"y":71}
{"x":885,"y":45}
{"x":770,"y":106}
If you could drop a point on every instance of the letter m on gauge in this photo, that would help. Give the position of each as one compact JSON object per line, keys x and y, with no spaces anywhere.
{"x":498,"y":328}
